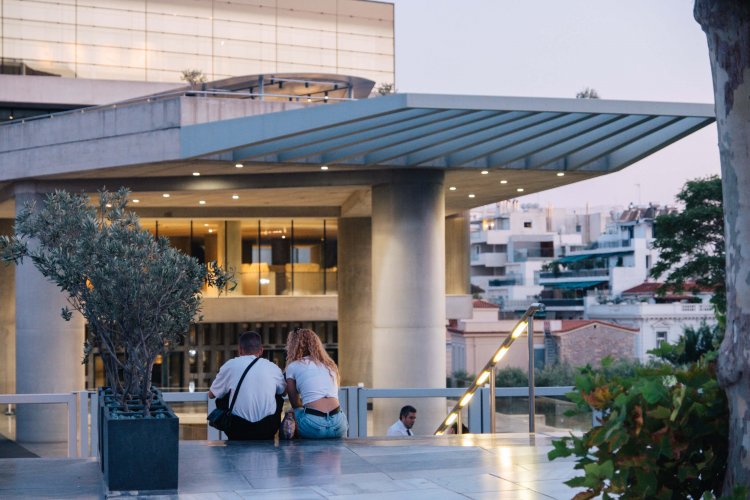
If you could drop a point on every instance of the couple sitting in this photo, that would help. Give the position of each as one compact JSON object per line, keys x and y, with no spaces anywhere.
{"x":311,"y":382}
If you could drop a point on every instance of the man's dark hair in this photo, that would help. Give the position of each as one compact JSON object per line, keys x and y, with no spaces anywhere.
{"x":406,"y":410}
{"x":250,"y":342}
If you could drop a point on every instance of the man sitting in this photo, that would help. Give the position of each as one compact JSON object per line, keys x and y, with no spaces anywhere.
{"x":257,"y":410}
{"x":406,"y":418}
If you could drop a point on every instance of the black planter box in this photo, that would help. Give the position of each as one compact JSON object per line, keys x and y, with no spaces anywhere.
{"x":138,"y":454}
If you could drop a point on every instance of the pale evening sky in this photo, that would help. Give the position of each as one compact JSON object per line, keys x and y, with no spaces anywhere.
{"x":636,"y":50}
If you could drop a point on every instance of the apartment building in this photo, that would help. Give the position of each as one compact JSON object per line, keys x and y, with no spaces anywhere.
{"x":620,"y":258}
{"x":512,"y":243}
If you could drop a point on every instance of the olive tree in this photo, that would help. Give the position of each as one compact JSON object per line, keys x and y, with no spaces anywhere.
{"x":138,"y":294}
{"x":727,"y":27}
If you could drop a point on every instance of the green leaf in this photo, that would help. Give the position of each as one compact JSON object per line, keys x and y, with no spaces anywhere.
{"x":653,"y":391}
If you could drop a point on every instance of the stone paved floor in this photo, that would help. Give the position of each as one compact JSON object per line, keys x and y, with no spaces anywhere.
{"x":506,"y":466}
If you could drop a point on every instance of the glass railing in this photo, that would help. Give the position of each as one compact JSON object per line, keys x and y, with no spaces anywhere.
{"x":583,"y":273}
{"x":286,"y":283}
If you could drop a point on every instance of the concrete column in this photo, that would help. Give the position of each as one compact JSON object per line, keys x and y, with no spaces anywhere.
{"x":457,"y":259}
{"x":408,"y":292}
{"x":7,"y":320}
{"x":233,"y":250}
{"x":48,"y":349}
{"x":355,"y":300}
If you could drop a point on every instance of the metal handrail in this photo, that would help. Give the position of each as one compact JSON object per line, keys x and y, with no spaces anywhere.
{"x":68,"y":399}
{"x":180,"y":93}
{"x":82,"y":409}
{"x":488,"y":372}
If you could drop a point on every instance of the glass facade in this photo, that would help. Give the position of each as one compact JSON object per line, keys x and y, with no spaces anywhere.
{"x":155,"y":40}
{"x":193,"y":363}
{"x":267,"y":256}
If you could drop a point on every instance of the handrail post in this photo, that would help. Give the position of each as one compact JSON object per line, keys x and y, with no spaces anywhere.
{"x":532,"y":408}
{"x":94,"y":424}
{"x":211,"y":433}
{"x":351,"y":406}
{"x":492,"y":401}
{"x":459,"y":423}
{"x":362,"y":411}
{"x":72,"y":401}
{"x":83,"y":423}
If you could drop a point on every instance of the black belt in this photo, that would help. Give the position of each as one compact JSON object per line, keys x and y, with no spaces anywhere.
{"x":313,"y":411}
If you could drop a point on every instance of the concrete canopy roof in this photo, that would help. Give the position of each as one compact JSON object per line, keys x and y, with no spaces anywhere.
{"x":529,"y":143}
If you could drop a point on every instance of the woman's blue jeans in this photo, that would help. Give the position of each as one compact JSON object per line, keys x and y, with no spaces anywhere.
{"x":315,"y":427}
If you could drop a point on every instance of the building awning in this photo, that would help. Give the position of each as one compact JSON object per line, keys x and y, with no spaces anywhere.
{"x":569,"y":285}
{"x":568,"y":259}
{"x":454,"y":132}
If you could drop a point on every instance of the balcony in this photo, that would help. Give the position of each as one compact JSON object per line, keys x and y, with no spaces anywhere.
{"x":525,"y":254}
{"x":507,"y":280}
{"x":563,"y":304}
{"x":489,"y":259}
{"x":568,"y":275}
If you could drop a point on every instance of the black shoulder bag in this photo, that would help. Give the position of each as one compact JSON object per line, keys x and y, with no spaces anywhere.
{"x":221,"y":418}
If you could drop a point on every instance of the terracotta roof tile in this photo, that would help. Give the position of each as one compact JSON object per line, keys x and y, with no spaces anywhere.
{"x":568,"y":325}
{"x":653,"y":288}
{"x":483,"y":304}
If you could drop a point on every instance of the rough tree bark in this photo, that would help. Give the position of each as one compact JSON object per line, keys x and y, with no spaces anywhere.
{"x":727,"y":27}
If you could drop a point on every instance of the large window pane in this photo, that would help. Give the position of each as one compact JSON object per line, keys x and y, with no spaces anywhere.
{"x":276,"y":252}
{"x":308,"y":257}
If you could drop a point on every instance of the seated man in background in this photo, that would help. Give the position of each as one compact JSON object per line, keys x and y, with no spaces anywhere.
{"x":257,"y":410}
{"x":406,"y":418}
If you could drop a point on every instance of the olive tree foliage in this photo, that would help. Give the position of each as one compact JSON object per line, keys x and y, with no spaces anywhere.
{"x":138,"y":294}
{"x":726,"y":24}
{"x":193,"y":76}
{"x":587,"y":93}
{"x":691,"y":242}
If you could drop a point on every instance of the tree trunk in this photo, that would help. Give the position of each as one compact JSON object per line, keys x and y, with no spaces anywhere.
{"x":727,"y":27}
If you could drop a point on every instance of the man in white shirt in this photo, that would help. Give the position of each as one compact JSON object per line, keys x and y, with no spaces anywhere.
{"x":257,"y":410}
{"x":406,"y":418}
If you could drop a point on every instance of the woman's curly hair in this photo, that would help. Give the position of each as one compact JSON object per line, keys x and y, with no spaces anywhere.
{"x":303,"y":342}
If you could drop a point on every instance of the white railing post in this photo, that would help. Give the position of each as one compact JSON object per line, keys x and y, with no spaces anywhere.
{"x":351,"y":409}
{"x":362,"y":412}
{"x":532,"y":407}
{"x":83,"y":422}
{"x":94,"y":408}
{"x":493,"y":402}
{"x":72,"y":425}
{"x":212,"y":434}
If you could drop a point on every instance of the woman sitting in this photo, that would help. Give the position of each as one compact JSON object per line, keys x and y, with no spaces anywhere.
{"x":312,"y":384}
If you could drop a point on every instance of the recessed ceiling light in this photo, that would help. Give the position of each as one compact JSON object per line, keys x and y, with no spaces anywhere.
{"x":210,"y":230}
{"x":165,"y":195}
{"x":485,"y":172}
{"x":561,"y":174}
{"x":239,"y":165}
{"x":283,"y":237}
{"x":452,"y":188}
{"x":201,"y":202}
{"x":324,"y":167}
{"x":235,"y":197}
{"x":520,"y":190}
{"x":136,"y":200}
{"x":205,"y":225}
{"x":472,"y":195}
{"x":196,"y":174}
{"x":503,"y":181}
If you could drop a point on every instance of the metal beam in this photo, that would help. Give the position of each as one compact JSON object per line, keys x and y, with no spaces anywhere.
{"x":458,"y":118}
{"x":345,"y":138}
{"x":314,"y":137}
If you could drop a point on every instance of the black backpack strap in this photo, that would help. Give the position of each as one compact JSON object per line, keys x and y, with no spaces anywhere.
{"x":237,"y":389}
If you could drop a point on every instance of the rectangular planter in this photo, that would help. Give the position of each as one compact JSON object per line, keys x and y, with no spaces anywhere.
{"x":139,"y":454}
